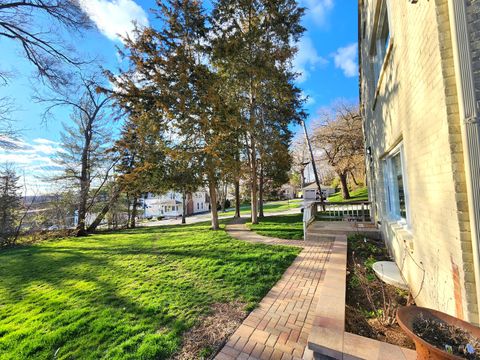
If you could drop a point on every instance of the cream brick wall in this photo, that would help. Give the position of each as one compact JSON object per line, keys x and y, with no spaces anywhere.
{"x":417,"y":104}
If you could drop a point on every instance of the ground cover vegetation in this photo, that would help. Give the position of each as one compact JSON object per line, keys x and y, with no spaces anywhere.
{"x":280,"y":226}
{"x":268,"y":207}
{"x":359,"y":194}
{"x":129,"y":294}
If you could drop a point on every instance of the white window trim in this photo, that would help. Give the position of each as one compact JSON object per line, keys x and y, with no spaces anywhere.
{"x":388,"y":183}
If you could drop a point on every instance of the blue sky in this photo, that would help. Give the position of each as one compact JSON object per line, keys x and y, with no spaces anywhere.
{"x":327,"y":60}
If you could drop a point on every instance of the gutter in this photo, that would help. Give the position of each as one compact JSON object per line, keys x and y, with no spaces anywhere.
{"x":470,"y":128}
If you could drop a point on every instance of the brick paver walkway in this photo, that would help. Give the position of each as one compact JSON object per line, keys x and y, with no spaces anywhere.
{"x":280,"y":326}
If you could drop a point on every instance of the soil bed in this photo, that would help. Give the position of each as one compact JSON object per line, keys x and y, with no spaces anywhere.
{"x":205,"y":339}
{"x":371,"y":305}
{"x":447,"y":337}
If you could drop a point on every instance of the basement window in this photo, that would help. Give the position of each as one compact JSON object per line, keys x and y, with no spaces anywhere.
{"x":395,"y":185}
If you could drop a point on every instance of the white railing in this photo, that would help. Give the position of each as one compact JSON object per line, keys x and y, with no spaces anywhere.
{"x":309,"y":212}
{"x":346,"y":211}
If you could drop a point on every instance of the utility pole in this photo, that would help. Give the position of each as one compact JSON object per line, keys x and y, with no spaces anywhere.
{"x":317,"y":180}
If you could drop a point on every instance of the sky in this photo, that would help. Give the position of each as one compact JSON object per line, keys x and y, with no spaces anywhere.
{"x":326,"y":60}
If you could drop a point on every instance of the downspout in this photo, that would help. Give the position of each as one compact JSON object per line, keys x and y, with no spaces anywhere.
{"x":470,"y":126}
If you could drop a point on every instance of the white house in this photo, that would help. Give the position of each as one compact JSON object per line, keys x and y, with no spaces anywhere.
{"x":310,"y":192}
{"x":170,"y":204}
{"x":288,"y":191}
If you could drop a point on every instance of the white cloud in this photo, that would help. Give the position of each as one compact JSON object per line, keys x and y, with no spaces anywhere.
{"x":346,"y":59}
{"x":32,"y":161}
{"x":318,"y":10}
{"x":44,"y":141}
{"x":306,"y":59}
{"x":115,"y":18}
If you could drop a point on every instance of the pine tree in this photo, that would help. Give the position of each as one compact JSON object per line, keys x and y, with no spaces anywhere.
{"x":253,"y":49}
{"x":175,"y":94}
{"x":10,"y":205}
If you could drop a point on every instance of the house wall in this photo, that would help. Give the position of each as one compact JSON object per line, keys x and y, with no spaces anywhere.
{"x":196,"y":203}
{"x":199,"y":202}
{"x":415,"y":103}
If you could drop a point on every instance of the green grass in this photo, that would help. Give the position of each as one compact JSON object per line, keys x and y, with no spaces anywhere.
{"x":269,"y":207}
{"x":126,"y":295}
{"x":281,"y":226}
{"x":360,"y":194}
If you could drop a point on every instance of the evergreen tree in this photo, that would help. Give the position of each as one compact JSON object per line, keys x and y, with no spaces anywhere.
{"x":176,"y":94}
{"x":253,"y":45}
{"x":10,"y":204}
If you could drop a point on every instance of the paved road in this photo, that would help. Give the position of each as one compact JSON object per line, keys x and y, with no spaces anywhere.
{"x":206,"y":217}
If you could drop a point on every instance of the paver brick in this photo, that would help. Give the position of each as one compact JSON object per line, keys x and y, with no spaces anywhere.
{"x":279,"y":327}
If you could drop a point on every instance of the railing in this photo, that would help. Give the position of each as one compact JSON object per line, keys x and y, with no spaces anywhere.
{"x":309,"y":213}
{"x":344,"y":211}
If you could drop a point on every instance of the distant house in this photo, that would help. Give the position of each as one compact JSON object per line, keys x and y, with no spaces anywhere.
{"x":310,"y":192}
{"x":170,"y":204}
{"x":288,"y":192}
{"x":420,"y":96}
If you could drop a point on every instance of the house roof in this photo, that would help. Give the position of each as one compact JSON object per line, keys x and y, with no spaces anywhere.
{"x":164,"y":202}
{"x":313,"y":186}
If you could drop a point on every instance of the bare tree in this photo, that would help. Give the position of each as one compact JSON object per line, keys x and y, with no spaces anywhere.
{"x":339,"y":137}
{"x":20,"y":21}
{"x":84,"y":158}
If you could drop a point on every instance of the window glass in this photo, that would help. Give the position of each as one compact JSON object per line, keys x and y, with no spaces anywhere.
{"x":395,"y":186}
{"x":381,"y":41}
{"x":400,"y":191}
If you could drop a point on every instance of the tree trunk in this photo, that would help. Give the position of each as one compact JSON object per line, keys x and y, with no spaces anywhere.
{"x":84,"y":182}
{"x":213,"y":202}
{"x":343,"y":181}
{"x":184,"y":208}
{"x":129,"y":213}
{"x":237,"y":199}
{"x":82,"y":208}
{"x":260,"y":194}
{"x":353,"y":178}
{"x":225,"y":191}
{"x":133,"y":221}
{"x":253,"y":182}
{"x":103,"y":212}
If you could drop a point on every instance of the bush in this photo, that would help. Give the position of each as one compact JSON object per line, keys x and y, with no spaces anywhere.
{"x":335,"y":183}
{"x":228,"y":204}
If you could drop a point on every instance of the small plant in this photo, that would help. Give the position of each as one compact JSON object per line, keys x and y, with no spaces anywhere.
{"x":205,"y":353}
{"x":385,"y":312}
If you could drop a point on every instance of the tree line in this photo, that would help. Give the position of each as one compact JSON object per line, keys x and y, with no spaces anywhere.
{"x":208,"y":98}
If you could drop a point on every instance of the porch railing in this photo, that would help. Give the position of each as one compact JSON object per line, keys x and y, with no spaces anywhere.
{"x":309,"y":214}
{"x":344,"y":211}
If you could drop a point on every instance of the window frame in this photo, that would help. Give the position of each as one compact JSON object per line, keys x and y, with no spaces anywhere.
{"x":377,"y":66}
{"x":392,"y":203}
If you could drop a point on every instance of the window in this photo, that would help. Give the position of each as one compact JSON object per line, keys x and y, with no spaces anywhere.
{"x":198,"y":206}
{"x":395,"y":185}
{"x":380,"y":42}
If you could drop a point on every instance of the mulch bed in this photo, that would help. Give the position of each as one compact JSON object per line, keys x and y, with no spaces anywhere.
{"x":371,"y":304}
{"x":205,"y":339}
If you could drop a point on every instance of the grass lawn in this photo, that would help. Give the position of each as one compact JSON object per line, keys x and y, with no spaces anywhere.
{"x":281,"y":226}
{"x":360,"y":194}
{"x":269,"y":207}
{"x":126,"y":295}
